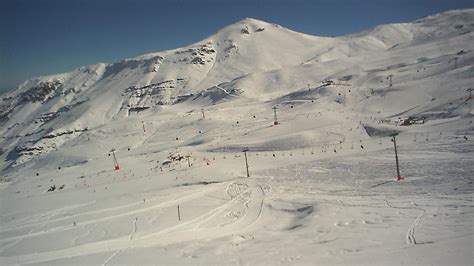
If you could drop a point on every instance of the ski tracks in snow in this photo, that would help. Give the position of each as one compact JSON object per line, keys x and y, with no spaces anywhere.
{"x":251,"y":197}
{"x":410,"y":235}
{"x":117,"y":212}
{"x":134,"y":229}
{"x":111,"y":257}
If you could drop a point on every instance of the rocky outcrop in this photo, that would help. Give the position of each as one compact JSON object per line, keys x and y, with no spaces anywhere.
{"x":41,"y":92}
{"x":199,"y":55}
{"x":47,"y":143}
{"x":46,"y":117}
{"x":141,"y":98}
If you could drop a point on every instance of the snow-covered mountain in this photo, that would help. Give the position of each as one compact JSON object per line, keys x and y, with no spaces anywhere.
{"x":250,"y":59}
{"x":336,"y":98}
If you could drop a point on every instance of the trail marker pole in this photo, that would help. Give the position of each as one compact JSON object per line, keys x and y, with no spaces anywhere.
{"x":396,"y":156}
{"x":143,"y":124}
{"x":116,"y":164}
{"x":470,"y":90}
{"x":246,"y":162}
{"x":275,"y":119}
{"x":189,"y":163}
{"x":179,"y":214}
{"x":203,"y":116}
{"x":390,"y":80}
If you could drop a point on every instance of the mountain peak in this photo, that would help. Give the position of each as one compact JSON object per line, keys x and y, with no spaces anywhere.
{"x":100,"y":157}
{"x":251,"y":21}
{"x":249,"y":59}
{"x":246,"y":26}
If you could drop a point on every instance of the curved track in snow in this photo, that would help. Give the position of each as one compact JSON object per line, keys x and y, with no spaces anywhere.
{"x":248,"y":197}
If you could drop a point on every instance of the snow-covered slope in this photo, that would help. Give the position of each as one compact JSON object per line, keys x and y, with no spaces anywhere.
{"x":241,"y":59}
{"x":178,"y":120}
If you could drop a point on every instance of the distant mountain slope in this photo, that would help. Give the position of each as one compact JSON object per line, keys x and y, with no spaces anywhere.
{"x":429,"y":61}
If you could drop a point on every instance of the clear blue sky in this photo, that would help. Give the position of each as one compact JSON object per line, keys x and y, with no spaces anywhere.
{"x":39,"y":37}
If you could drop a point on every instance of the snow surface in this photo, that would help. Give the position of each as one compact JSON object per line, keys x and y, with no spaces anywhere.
{"x":322,"y":186}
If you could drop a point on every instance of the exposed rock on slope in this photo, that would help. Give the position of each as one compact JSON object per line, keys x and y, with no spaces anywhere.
{"x":257,"y":61}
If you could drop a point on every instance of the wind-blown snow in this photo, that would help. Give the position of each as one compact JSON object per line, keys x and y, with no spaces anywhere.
{"x":322,"y":186}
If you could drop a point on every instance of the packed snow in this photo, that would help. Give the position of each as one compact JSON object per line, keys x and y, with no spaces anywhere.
{"x":143,"y":161}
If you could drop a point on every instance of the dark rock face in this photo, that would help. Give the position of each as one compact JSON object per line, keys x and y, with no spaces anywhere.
{"x":40,"y":93}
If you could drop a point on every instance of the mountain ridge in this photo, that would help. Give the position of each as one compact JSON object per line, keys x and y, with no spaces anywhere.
{"x":256,"y":145}
{"x":249,"y":59}
{"x":449,"y":13}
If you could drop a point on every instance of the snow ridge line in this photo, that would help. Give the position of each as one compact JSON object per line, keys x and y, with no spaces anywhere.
{"x":226,"y":92}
